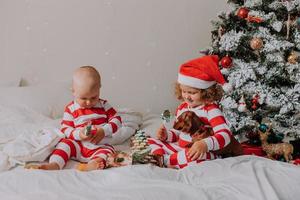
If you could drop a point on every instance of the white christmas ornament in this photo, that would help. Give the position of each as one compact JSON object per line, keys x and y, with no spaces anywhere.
{"x":277,"y":26}
{"x":242,"y":105}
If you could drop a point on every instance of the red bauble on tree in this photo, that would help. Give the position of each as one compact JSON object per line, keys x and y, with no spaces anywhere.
{"x":255,"y":102}
{"x":226,"y":62}
{"x":243,"y":13}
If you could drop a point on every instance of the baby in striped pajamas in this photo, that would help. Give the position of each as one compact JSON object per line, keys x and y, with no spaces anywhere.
{"x":198,"y":86}
{"x":86,"y":109}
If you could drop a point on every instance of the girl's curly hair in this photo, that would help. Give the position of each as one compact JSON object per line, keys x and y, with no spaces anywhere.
{"x":211,"y":94}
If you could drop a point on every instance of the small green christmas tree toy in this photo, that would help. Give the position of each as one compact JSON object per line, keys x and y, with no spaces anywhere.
{"x":141,"y":152}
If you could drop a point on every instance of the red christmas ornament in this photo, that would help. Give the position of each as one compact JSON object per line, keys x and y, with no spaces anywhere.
{"x":254,"y":106}
{"x":252,"y":135}
{"x":255,"y":102}
{"x":243,"y":13}
{"x":226,"y":62}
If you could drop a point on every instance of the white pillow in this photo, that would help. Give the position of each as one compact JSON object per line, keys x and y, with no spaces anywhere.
{"x":131,"y":121}
{"x":152,"y":122}
{"x":17,"y":114}
{"x":17,"y":120}
{"x":47,"y":99}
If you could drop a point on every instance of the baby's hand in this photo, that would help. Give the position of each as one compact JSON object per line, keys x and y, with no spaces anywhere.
{"x":98,"y":136}
{"x":161,"y":133}
{"x":85,"y":132}
{"x":198,"y":148}
{"x":82,"y":134}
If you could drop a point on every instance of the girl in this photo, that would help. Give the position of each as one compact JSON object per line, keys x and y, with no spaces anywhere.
{"x":198,"y":86}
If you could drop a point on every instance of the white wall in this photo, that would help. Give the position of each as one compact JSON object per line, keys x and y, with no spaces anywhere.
{"x":137,"y":45}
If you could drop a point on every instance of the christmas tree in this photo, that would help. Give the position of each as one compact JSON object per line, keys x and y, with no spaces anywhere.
{"x":258,"y":42}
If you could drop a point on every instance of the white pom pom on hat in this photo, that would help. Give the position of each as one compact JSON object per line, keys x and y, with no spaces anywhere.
{"x":202,"y":73}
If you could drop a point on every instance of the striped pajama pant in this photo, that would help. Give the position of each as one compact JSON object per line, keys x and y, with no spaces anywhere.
{"x":68,"y":148}
{"x":174,"y":155}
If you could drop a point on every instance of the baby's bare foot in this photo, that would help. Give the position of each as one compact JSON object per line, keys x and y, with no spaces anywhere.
{"x":49,"y":166}
{"x":98,"y":163}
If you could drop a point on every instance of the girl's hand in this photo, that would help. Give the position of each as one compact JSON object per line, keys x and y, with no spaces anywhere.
{"x":161,"y":133}
{"x":198,"y":148}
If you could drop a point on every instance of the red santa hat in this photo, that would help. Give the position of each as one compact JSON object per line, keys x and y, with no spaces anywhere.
{"x":202,"y":73}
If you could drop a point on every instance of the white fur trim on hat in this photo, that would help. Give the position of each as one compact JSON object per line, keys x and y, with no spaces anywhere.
{"x":227,"y":87}
{"x":194,"y":82}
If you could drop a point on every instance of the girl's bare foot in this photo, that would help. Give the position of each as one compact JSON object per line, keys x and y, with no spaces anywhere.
{"x":49,"y":166}
{"x":98,"y":163}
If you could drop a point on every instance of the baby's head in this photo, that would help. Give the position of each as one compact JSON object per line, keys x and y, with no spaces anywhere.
{"x":86,"y":86}
{"x":201,"y":82}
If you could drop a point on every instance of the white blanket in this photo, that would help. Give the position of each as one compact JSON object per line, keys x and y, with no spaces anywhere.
{"x":239,"y":178}
{"x":24,"y":141}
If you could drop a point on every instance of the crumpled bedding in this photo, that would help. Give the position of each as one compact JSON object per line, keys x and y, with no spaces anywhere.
{"x":23,"y":142}
{"x":243,"y":177}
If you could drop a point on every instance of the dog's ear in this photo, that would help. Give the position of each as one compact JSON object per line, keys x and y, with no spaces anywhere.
{"x":183,"y":122}
{"x":179,"y":123}
{"x":196,"y":123}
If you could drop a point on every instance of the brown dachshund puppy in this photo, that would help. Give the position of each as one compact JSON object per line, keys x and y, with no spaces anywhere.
{"x":189,"y":122}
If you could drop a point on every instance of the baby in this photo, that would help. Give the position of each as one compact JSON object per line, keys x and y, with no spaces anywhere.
{"x":86,"y":121}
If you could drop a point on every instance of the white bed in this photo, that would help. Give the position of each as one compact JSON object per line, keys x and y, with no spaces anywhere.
{"x":244,"y":177}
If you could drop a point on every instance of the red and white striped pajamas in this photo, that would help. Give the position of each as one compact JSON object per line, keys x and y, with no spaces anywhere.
{"x":174,"y":149}
{"x":102,"y":115}
{"x":69,"y":148}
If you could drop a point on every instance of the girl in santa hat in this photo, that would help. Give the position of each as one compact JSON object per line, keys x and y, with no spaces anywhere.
{"x":200,"y":86}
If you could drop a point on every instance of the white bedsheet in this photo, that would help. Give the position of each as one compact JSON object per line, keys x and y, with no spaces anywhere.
{"x":239,"y":178}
